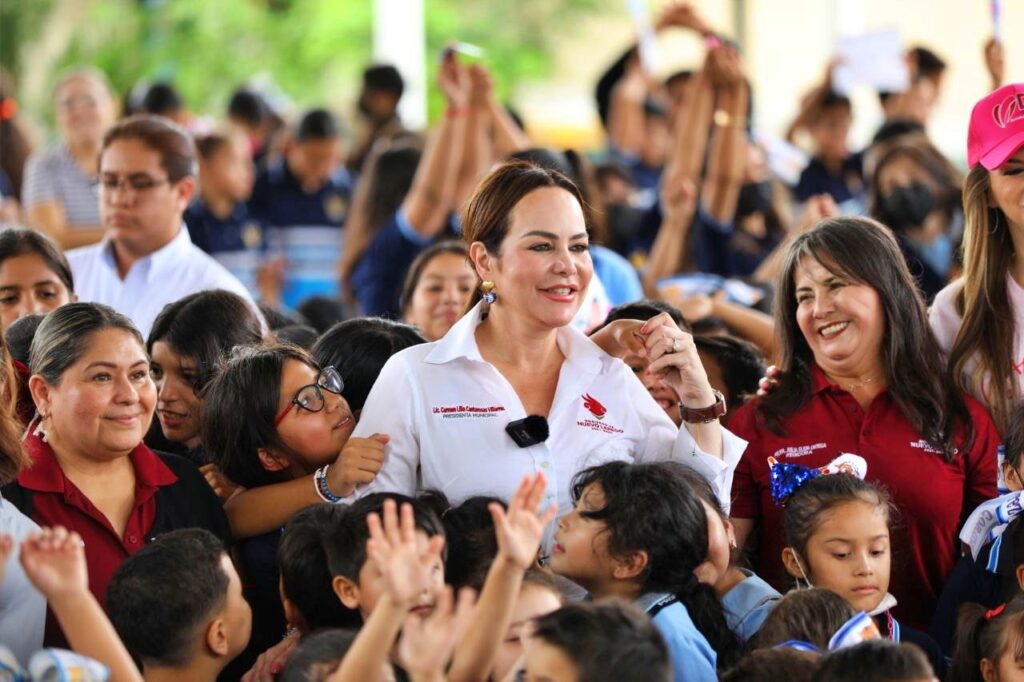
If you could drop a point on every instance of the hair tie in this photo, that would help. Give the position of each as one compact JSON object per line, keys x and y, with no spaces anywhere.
{"x":8,"y":108}
{"x":992,"y":613}
{"x":786,"y":478}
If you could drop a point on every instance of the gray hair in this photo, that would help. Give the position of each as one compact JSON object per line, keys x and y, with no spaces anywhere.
{"x":64,"y":336}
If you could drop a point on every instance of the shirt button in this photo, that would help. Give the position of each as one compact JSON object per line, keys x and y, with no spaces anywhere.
{"x":133,"y":540}
{"x":545,"y":465}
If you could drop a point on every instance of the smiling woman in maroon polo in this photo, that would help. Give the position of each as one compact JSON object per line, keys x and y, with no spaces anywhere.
{"x":862,"y":373}
{"x":90,"y":471}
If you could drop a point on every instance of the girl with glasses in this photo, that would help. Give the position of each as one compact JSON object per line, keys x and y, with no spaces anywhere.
{"x":272,"y":415}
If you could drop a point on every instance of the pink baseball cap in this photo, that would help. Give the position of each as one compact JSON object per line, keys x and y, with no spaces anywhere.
{"x":997,"y":127}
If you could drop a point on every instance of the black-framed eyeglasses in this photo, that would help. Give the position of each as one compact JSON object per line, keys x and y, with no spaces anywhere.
{"x":311,"y":397}
{"x":136,"y":183}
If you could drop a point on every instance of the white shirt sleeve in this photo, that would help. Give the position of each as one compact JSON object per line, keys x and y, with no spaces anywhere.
{"x":392,"y":408}
{"x":665,"y":441}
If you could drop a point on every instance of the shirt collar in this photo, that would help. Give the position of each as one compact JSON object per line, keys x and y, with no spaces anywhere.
{"x":44,"y":475}
{"x":460,"y":342}
{"x":170,"y":254}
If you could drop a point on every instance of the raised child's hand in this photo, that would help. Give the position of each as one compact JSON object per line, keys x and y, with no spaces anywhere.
{"x":54,"y":561}
{"x":519,"y":529}
{"x":404,"y":570}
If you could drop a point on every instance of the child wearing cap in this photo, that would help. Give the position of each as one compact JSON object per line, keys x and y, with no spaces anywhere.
{"x":972,"y":316}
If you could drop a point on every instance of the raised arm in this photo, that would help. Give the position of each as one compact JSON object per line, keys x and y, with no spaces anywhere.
{"x":727,"y":159}
{"x":54,"y":561}
{"x":261,"y":510}
{"x":477,"y":149}
{"x":432,"y":196}
{"x":519,"y":532}
{"x":405,"y":573}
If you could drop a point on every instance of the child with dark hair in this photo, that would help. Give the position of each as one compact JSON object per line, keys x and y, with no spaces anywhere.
{"x":746,"y":598}
{"x":366,"y":580}
{"x":322,"y":312}
{"x":878,"y":661}
{"x":811,"y":615}
{"x":837,"y":537}
{"x":318,"y":655}
{"x":353,"y":573}
{"x":606,"y":642}
{"x":990,"y":643}
{"x":992,"y":571}
{"x":218,"y":220}
{"x":359,"y":348}
{"x":772,"y":665}
{"x":177,"y":604}
{"x":306,"y":594}
{"x":303,"y":199}
{"x":734,"y":367}
{"x":18,"y":336}
{"x":273,"y":415}
{"x":649,"y":553}
{"x":472,"y":546}
{"x":190,"y":340}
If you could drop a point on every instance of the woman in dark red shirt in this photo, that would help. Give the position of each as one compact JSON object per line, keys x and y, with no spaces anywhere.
{"x":862,"y":373}
{"x":90,"y":471}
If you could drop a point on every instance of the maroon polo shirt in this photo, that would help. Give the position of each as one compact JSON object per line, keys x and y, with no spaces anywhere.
{"x":932,"y":496}
{"x":57,"y":502}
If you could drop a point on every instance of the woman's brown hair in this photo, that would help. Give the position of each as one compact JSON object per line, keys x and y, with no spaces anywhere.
{"x":987,"y":330}
{"x":864,"y":251}
{"x":486,"y":216}
{"x":13,"y":457}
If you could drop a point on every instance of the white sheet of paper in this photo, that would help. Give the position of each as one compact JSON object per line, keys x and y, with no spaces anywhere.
{"x":873,"y":59}
{"x":640,"y":13}
{"x":784,"y":159}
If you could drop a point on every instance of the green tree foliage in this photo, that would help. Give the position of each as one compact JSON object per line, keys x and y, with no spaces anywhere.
{"x":313,"y":50}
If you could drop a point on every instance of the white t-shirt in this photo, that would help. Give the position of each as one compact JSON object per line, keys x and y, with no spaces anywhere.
{"x":22,"y":607}
{"x":945,"y":322}
{"x":446,"y":409}
{"x":178,"y":269}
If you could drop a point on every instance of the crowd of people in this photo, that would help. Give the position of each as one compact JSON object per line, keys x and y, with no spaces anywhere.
{"x":451,"y":406}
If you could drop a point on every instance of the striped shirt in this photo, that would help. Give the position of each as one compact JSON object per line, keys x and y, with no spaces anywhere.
{"x":54,"y":175}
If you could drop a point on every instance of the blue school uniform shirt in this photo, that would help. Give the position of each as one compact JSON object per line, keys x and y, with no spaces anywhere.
{"x":619,"y":277}
{"x":378,"y":277}
{"x":845,"y":186}
{"x":747,"y":605}
{"x":693,"y":659}
{"x":305,"y":228}
{"x":236,"y":242}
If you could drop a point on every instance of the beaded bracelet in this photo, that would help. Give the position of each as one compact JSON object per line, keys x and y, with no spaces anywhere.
{"x":323,"y":490}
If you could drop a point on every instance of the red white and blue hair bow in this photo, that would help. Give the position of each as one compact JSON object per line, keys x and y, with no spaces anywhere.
{"x":786,"y":478}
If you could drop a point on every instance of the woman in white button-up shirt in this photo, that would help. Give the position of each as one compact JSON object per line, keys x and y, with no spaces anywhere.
{"x":446,"y":405}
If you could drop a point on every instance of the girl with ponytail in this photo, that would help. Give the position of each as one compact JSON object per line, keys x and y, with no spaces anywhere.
{"x":990,"y":643}
{"x":638,"y":532}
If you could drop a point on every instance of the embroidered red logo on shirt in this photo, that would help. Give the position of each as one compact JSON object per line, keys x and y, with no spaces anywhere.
{"x":595,"y":407}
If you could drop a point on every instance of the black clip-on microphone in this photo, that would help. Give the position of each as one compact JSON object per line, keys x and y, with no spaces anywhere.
{"x":528,"y":431}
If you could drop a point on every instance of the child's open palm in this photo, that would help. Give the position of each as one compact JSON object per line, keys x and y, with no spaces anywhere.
{"x":519,"y":530}
{"x":405,"y":572}
{"x":54,"y":561}
{"x":427,"y":643}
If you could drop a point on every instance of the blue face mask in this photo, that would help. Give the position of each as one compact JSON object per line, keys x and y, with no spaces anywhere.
{"x":938,"y":253}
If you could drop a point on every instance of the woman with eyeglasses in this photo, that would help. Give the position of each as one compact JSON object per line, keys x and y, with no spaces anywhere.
{"x":90,"y":471}
{"x":189,"y":340}
{"x":273,"y":415}
{"x":58,"y":192}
